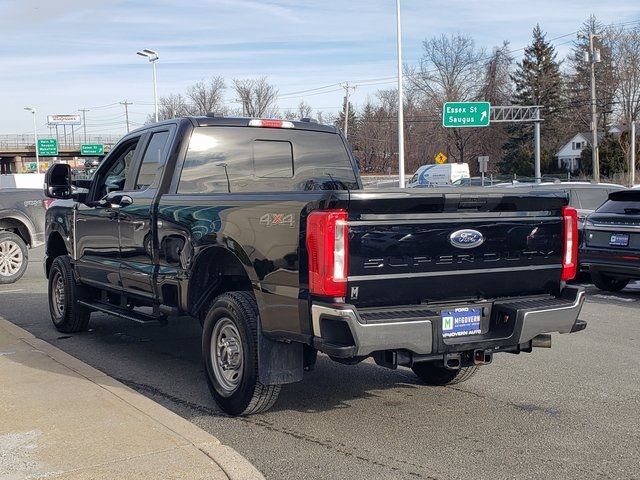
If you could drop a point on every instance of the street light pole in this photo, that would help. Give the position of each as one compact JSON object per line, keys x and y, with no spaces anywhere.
{"x":594,"y":57}
{"x":35,"y":136}
{"x":400,"y":99}
{"x":153,"y":58}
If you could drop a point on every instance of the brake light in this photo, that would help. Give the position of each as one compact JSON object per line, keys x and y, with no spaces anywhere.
{"x":570,"y":253}
{"x":46,"y":203}
{"x":270,"y":123}
{"x":328,"y":250}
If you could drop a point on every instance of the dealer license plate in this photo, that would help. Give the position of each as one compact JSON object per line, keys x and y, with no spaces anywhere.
{"x":619,"y":240}
{"x":460,"y":322}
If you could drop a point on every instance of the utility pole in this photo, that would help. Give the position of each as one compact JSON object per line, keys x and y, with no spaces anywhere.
{"x":126,"y":111}
{"x":84,"y":122}
{"x":347,"y":89}
{"x":593,"y":57}
{"x":400,"y":99}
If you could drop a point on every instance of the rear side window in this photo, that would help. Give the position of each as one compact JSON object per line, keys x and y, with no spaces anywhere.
{"x":591,"y":198}
{"x":243,"y":159}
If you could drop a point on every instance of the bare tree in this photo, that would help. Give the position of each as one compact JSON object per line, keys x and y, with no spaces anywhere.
{"x":304,"y":110}
{"x":172,"y":106}
{"x":258,"y":97}
{"x":207,"y":97}
{"x":451,"y":69}
{"x":626,"y":58}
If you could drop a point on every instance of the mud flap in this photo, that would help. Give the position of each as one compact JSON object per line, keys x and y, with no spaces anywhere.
{"x":279,"y":362}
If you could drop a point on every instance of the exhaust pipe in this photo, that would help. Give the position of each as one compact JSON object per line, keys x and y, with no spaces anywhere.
{"x":541,"y":341}
{"x":482,"y":357}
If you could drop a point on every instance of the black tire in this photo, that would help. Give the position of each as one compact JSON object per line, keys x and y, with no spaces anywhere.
{"x":14,"y":257}
{"x":607,"y":283}
{"x":433,"y":374}
{"x":67,"y":316}
{"x":236,"y":388}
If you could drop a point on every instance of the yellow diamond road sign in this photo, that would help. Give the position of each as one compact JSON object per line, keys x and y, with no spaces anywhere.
{"x":441,"y":158}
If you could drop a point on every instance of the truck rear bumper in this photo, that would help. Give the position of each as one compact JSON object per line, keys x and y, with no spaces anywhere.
{"x":344,"y":331}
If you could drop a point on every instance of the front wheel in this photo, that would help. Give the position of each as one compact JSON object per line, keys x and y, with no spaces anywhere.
{"x":435,"y":374}
{"x":608,"y":283}
{"x":14,"y":257}
{"x":230,"y":353}
{"x":66,"y":314}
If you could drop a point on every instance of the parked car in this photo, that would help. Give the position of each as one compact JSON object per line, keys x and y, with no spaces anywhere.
{"x":610,"y":250}
{"x":260,"y":229}
{"x":21,"y":227}
{"x":585,"y":197}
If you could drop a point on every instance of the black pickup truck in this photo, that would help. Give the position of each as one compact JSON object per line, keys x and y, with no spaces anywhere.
{"x":262,"y":231}
{"x":21,"y":228}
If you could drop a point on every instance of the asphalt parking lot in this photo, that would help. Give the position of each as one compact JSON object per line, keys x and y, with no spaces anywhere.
{"x":566,"y":412}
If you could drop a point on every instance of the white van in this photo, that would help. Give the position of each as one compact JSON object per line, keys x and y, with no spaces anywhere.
{"x":439,"y":175}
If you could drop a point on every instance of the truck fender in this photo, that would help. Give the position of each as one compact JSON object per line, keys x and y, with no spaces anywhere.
{"x":23,"y":219}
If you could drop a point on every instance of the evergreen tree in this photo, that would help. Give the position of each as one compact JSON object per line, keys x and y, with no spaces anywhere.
{"x":537,"y":81}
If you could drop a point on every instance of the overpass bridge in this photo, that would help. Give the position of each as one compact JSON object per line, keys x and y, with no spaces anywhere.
{"x":17,"y":152}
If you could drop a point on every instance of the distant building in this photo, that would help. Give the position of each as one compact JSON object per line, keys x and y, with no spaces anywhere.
{"x":569,"y":155}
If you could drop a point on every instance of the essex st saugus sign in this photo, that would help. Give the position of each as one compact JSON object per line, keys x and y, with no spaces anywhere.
{"x":465,"y":114}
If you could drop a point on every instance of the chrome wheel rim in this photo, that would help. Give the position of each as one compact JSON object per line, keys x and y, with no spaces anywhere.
{"x":57,"y":295}
{"x":227,"y":356}
{"x":11,"y":258}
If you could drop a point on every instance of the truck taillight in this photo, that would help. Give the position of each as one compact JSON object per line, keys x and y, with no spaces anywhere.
{"x":328,"y":250}
{"x":570,"y":252}
{"x":46,"y":203}
{"x":270,"y":123}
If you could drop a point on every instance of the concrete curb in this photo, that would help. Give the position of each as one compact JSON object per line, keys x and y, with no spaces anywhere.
{"x":234,"y":465}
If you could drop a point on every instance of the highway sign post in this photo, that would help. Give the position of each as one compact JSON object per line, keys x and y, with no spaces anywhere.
{"x":466,"y":114}
{"x":483,"y":163}
{"x":47,"y":147}
{"x":91,"y":149}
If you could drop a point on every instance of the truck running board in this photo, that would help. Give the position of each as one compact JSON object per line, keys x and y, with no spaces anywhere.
{"x":127,"y":314}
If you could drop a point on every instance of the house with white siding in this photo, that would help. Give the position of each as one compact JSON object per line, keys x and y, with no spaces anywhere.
{"x":569,"y":155}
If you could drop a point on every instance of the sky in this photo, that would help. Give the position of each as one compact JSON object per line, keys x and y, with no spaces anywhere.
{"x":65,"y":55}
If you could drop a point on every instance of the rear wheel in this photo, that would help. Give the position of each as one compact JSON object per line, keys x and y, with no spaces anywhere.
{"x":64,"y":293}
{"x":608,"y":283}
{"x":434,"y":374}
{"x":14,"y":257}
{"x":230,"y":353}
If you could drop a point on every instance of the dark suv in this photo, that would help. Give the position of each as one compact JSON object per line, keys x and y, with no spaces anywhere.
{"x":610,"y":249}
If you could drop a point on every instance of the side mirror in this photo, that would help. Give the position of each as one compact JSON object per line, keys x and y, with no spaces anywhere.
{"x":57,"y":181}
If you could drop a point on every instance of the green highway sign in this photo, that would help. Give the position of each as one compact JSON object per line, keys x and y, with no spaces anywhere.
{"x":47,"y":147}
{"x":89,"y":149}
{"x":466,"y":114}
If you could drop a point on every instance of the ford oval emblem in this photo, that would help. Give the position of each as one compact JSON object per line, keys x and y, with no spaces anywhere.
{"x":466,"y":238}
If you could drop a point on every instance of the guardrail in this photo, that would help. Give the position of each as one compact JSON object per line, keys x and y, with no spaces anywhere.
{"x":18,"y":141}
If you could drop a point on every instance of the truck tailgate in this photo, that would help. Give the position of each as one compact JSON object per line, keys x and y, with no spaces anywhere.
{"x":410,"y":247}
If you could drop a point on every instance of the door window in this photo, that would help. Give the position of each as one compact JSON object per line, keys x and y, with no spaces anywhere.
{"x":116,"y":175}
{"x":152,"y":161}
